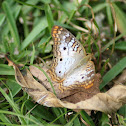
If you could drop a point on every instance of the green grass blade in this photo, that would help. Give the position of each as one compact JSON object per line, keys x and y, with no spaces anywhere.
{"x":13,"y":86}
{"x":30,"y":38}
{"x":40,"y":111}
{"x":19,"y":115}
{"x":71,"y":16}
{"x":59,"y":115}
{"x":104,"y":121}
{"x":2,"y":18}
{"x":11,"y":102}
{"x":122,"y":111}
{"x":121,"y":45}
{"x":58,"y":4}
{"x":6,"y":70}
{"x":87,"y":118}
{"x":45,"y":39}
{"x":72,"y":121}
{"x":17,"y":11}
{"x":112,"y":73}
{"x":4,"y":119}
{"x":49,"y":16}
{"x":77,"y":122}
{"x":29,"y":5}
{"x":25,"y":3}
{"x":11,"y":23}
{"x":99,"y":7}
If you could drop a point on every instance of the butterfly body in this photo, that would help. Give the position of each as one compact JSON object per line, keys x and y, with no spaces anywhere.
{"x":71,"y":67}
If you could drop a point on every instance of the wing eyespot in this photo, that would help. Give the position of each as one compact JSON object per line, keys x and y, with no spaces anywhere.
{"x":61,"y":59}
{"x":59,"y":71}
{"x":64,"y":48}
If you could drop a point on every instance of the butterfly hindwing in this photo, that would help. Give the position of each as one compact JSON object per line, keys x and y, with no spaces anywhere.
{"x":82,"y":76}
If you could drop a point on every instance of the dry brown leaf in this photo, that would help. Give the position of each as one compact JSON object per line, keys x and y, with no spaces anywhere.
{"x":107,"y":102}
{"x":74,"y":95}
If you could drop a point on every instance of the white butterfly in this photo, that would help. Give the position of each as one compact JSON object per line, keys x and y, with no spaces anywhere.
{"x":71,"y":67}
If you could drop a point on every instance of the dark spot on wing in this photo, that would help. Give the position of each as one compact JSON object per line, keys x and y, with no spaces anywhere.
{"x":64,"y":48}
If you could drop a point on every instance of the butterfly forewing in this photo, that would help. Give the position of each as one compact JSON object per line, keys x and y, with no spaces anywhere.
{"x":67,"y":52}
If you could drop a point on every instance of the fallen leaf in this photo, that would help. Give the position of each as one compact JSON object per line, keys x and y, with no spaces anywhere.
{"x":74,"y":95}
{"x":107,"y":102}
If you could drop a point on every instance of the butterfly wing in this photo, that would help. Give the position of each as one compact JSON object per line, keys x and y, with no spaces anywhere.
{"x":68,"y":52}
{"x":82,"y":76}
